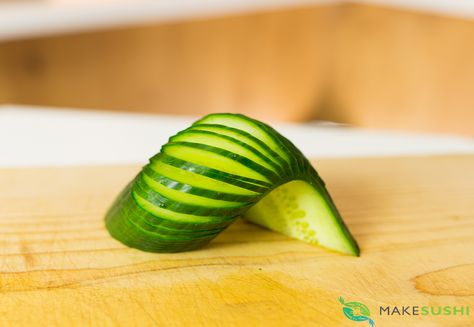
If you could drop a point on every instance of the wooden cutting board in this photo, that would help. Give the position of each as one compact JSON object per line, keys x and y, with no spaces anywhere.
{"x":413,"y":218}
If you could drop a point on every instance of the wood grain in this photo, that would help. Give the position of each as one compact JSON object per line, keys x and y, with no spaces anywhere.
{"x":413,"y":218}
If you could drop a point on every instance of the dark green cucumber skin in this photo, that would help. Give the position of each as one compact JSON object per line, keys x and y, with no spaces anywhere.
{"x":134,"y":226}
{"x":120,"y":227}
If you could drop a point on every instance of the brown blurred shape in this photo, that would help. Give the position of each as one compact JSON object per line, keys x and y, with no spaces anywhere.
{"x":359,"y":64}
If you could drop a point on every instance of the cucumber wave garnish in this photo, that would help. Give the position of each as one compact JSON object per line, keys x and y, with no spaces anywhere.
{"x":222,"y":167}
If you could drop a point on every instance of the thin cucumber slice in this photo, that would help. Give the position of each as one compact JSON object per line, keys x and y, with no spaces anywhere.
{"x":177,"y":217}
{"x":169,"y":183}
{"x":161,"y":202}
{"x":222,"y":167}
{"x":244,"y":137}
{"x":160,"y":168}
{"x":295,"y":160}
{"x":177,"y":232}
{"x":227,"y":143}
{"x":133,"y":210}
{"x":217,"y":159}
{"x":189,"y":198}
{"x":133,"y":236}
{"x":247,"y":125}
{"x":250,"y":184}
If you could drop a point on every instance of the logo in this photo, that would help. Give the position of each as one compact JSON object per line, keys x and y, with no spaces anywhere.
{"x":356,"y":311}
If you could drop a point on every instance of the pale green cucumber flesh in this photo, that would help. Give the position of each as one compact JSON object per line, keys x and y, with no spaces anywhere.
{"x":299,"y":210}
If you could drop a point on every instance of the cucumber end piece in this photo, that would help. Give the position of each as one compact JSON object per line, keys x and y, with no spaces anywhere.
{"x":304,"y":211}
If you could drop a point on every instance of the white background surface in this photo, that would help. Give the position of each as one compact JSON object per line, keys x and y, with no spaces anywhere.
{"x":21,"y":18}
{"x":34,"y":136}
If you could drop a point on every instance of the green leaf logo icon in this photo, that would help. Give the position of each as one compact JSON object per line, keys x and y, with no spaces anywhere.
{"x":356,"y":311}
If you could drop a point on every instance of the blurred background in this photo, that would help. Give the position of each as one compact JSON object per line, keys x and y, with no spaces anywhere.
{"x":400,"y":65}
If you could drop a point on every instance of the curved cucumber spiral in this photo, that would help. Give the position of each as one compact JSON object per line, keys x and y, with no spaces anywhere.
{"x":222,"y":167}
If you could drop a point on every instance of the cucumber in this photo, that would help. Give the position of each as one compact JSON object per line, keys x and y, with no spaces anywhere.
{"x":223,"y":167}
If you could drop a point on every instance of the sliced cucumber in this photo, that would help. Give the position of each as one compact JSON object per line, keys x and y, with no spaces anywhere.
{"x":301,"y":211}
{"x":227,"y":143}
{"x":250,"y":184}
{"x":178,"y":196}
{"x":222,"y":167}
{"x":220,"y":159}
{"x":160,"y":170}
{"x":250,"y":126}
{"x":246,"y":138}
